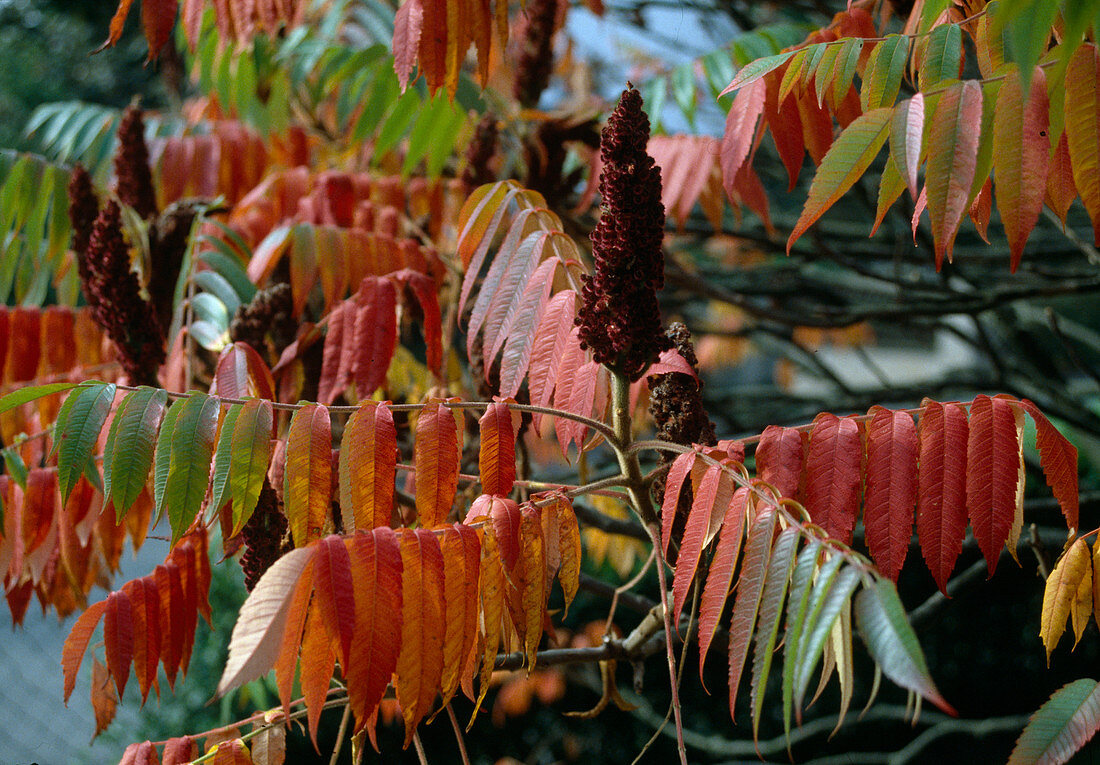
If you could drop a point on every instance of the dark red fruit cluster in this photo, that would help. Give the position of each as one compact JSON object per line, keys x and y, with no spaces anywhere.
{"x":262,"y":536}
{"x":269,"y":311}
{"x":133,"y":179}
{"x":480,"y":152}
{"x":621,"y":320}
{"x":114,"y":294}
{"x":536,"y":54}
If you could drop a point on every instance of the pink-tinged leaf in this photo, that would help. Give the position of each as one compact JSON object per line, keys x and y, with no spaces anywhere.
{"x":740,"y":132}
{"x":720,"y":578}
{"x":331,"y":384}
{"x":242,"y":373}
{"x":368,"y":465}
{"x":1061,"y":189}
{"x":587,"y":397}
{"x":570,"y":364}
{"x":833,"y":474}
{"x":1021,"y":152}
{"x":258,"y":633}
{"x":1082,"y":109}
{"x":1061,"y":726}
{"x":516,"y":357}
{"x":407,"y":24}
{"x":891,"y":488}
{"x":992,"y":467}
{"x":118,"y":638}
{"x":420,"y":663}
{"x":750,"y":587}
{"x":437,"y":455}
{"x":77,"y":642}
{"x":906,"y":134}
{"x":952,"y":154}
{"x":1058,"y":458}
{"x":941,"y":487}
{"x":522,"y":271}
{"x":550,"y":342}
{"x":307,"y":480}
{"x":843,"y":164}
{"x":375,"y":334}
{"x":497,"y":456}
{"x":376,"y":572}
{"x":671,"y":361}
{"x":180,"y":751}
{"x":712,"y":498}
{"x":680,"y":470}
{"x":334,"y":593}
{"x":779,"y":458}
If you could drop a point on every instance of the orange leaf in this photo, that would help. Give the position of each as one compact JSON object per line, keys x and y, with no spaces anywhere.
{"x":77,"y":642}
{"x":104,"y":700}
{"x":941,"y":487}
{"x":145,"y":606}
{"x":143,"y":753}
{"x":952,"y":154}
{"x":461,"y":563}
{"x":891,"y":488}
{"x":720,"y":578}
{"x":1021,"y":151}
{"x":179,"y":751}
{"x":437,"y":454}
{"x":833,"y":474}
{"x":492,"y":607}
{"x":233,"y":752}
{"x":992,"y":467}
{"x":307,"y":481}
{"x":420,"y":664}
{"x":1061,"y":190}
{"x":368,"y":459}
{"x":318,"y":661}
{"x":1082,"y":107}
{"x":497,"y":456}
{"x":171,"y":619}
{"x":711,"y":499}
{"x":287,"y":638}
{"x":1061,"y":591}
{"x":433,"y":47}
{"x":118,"y":21}
{"x":534,"y":584}
{"x":376,"y":573}
{"x":569,"y":547}
{"x":334,"y":593}
{"x":118,"y":637}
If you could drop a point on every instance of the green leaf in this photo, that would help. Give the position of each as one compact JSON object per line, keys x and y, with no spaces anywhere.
{"x":846,"y":62}
{"x":828,"y":601}
{"x":163,"y":454}
{"x":35,"y":392}
{"x":683,"y":90}
{"x":780,"y":568}
{"x":397,"y":122}
{"x":882,"y":80}
{"x":17,"y":469}
{"x":218,"y":286}
{"x":849,"y":156}
{"x":223,"y":456}
{"x":797,"y":606}
{"x":942,"y":56}
{"x":189,"y":468}
{"x":1061,"y":726}
{"x":77,"y":438}
{"x":251,"y":455}
{"x":1027,"y":25}
{"x":128,"y":454}
{"x":892,"y":643}
{"x":757,"y":69}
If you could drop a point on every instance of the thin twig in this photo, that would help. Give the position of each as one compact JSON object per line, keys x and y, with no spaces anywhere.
{"x":420,"y":755}
{"x":340,"y":736}
{"x":458,"y":735}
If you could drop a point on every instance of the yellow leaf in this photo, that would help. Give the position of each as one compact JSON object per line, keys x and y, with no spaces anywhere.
{"x":1082,"y":603}
{"x":1061,"y":593}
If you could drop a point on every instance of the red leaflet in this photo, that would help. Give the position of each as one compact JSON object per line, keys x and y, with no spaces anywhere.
{"x":242,"y":373}
{"x":24,"y":347}
{"x":158,"y":17}
{"x":420,"y":664}
{"x":891,"y":488}
{"x":423,"y":286}
{"x":368,"y":460}
{"x":505,"y":516}
{"x":1061,"y":189}
{"x":553,"y":334}
{"x":331,"y":383}
{"x":375,"y":333}
{"x":433,"y":47}
{"x":587,"y":398}
{"x":833,"y":474}
{"x":376,"y":574}
{"x":39,"y":507}
{"x":183,"y":560}
{"x":179,"y":751}
{"x":334,"y":595}
{"x":992,"y":467}
{"x":1082,"y":102}
{"x":779,"y":457}
{"x":711,"y":502}
{"x":437,"y":454}
{"x":722,"y":566}
{"x":1058,"y":458}
{"x":118,"y":637}
{"x":786,"y":126}
{"x":406,"y":39}
{"x":497,"y":456}
{"x":146,"y":632}
{"x":750,"y":586}
{"x":740,"y":132}
{"x":679,"y":471}
{"x":307,"y":480}
{"x":941,"y":487}
{"x":77,"y":642}
{"x":171,"y":620}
